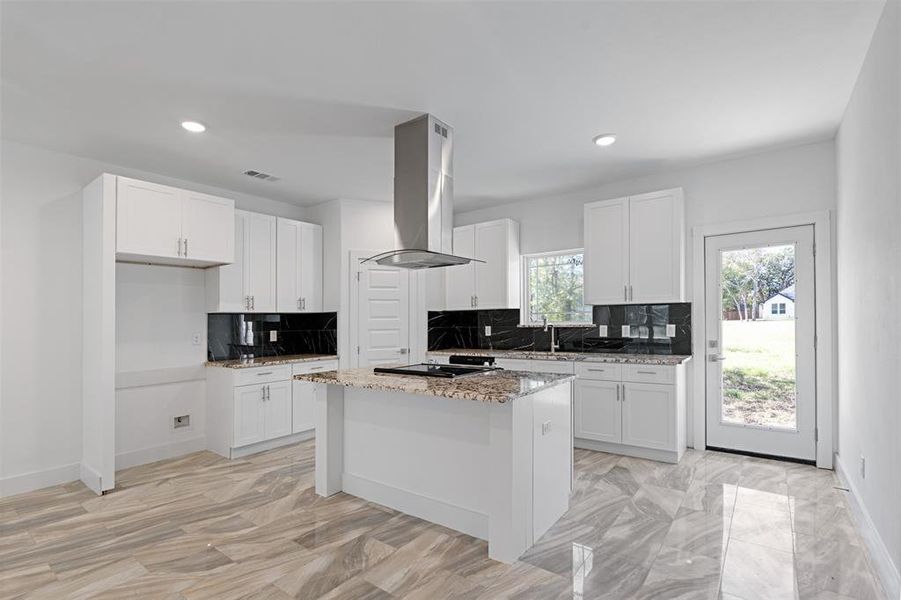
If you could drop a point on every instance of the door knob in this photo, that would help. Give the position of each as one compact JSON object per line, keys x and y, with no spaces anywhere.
{"x":716,"y":357}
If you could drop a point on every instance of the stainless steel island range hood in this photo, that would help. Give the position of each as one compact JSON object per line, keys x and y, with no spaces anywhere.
{"x":423,"y":197}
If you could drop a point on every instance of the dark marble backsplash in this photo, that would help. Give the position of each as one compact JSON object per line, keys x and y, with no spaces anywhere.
{"x":647,"y":330}
{"x":299,"y":333}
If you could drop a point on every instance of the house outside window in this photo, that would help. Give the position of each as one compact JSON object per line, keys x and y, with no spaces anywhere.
{"x":553,"y":289}
{"x":777,"y":308}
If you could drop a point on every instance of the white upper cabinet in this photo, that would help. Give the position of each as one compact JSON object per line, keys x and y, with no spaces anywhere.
{"x":299,"y":266}
{"x":461,"y":280}
{"x":248,"y":284}
{"x":635,"y":249}
{"x":493,"y":283}
{"x":166,"y":225}
{"x":606,"y":261}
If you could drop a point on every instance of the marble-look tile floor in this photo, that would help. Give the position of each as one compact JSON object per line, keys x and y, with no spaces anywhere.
{"x":714,"y":526}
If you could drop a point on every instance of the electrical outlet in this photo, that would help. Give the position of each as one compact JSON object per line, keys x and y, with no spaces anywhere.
{"x":545,"y":428}
{"x":196,"y":339}
{"x":602,"y":331}
{"x":625,"y":331}
{"x":273,"y":336}
{"x":488,"y":330}
{"x":670,"y":330}
{"x":181,"y":422}
{"x":863,"y":467}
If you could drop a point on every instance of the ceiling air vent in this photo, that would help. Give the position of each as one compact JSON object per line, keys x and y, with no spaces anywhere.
{"x":261,"y":175}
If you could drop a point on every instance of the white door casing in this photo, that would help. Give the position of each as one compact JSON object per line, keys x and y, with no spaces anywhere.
{"x":800,"y":442}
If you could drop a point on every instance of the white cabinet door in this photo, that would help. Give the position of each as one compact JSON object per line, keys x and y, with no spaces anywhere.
{"x":655,"y":247}
{"x":461,"y":279}
{"x":148,"y":219}
{"x":492,"y":276}
{"x":311,"y":267}
{"x":259,"y":262}
{"x":606,"y":252}
{"x":207,"y":227}
{"x":598,"y":410}
{"x":304,"y":396}
{"x":288,"y":261}
{"x":225,"y":284}
{"x":277,"y":410}
{"x":249,"y":418}
{"x":649,"y":415}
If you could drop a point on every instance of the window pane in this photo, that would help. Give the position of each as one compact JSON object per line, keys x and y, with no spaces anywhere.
{"x":555,"y":289}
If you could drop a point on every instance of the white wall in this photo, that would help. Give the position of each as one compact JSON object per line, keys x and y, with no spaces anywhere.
{"x":869,"y":272}
{"x":40,"y":258}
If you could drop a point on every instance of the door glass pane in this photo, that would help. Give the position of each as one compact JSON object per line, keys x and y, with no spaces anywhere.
{"x":758,"y":340}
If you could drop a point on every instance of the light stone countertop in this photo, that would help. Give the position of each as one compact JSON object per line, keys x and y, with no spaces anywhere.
{"x":494,"y":386}
{"x":603,"y":357}
{"x":266,"y":361}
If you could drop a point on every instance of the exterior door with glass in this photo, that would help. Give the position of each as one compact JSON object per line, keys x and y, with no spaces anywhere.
{"x":760,"y":347}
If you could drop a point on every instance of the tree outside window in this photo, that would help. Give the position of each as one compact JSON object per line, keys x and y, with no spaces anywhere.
{"x":553,"y":288}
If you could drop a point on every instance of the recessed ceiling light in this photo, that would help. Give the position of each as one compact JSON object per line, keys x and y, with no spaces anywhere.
{"x":605,"y":139}
{"x":193,"y":126}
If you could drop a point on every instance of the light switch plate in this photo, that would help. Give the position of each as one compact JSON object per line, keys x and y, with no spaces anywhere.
{"x":670,"y":330}
{"x":273,"y":336}
{"x":488,"y":330}
{"x":626,"y":331}
{"x":602,"y":330}
{"x":196,"y":339}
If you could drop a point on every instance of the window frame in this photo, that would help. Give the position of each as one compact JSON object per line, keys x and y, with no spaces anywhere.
{"x":524,"y":287}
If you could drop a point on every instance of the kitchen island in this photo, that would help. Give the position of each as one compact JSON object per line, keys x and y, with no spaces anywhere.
{"x":489,"y":454}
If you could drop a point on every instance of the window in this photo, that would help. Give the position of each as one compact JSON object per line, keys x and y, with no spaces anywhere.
{"x":552,"y":288}
{"x":777,"y":308}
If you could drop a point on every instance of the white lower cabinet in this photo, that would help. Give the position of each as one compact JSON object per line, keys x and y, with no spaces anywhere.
{"x":256,"y":408}
{"x":649,"y":415}
{"x":598,"y":411}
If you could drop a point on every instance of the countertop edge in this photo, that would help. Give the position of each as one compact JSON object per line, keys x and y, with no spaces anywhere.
{"x":638,"y":359}
{"x":266,"y":362}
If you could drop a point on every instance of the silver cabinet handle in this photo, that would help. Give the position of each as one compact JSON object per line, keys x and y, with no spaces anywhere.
{"x":186,"y":247}
{"x":253,"y":303}
{"x":264,"y":373}
{"x":477,"y":301}
{"x":303,"y":303}
{"x":597,"y":370}
{"x":263,"y":393}
{"x":624,"y":392}
{"x":179,"y":246}
{"x":617,"y":392}
{"x":631,"y":296}
{"x":625,"y":292}
{"x":298,"y":304}
{"x":646,"y":372}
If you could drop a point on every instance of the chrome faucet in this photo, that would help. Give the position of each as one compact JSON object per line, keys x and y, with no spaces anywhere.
{"x":554,"y":345}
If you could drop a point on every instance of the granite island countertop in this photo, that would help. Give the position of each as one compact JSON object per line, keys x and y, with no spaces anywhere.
{"x":603,"y":357}
{"x":267,"y":361}
{"x":494,"y":386}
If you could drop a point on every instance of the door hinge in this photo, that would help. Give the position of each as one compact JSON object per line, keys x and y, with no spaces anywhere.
{"x":814,"y":249}
{"x":816,"y":434}
{"x":358,"y":276}
{"x":815,"y":341}
{"x":358,"y":349}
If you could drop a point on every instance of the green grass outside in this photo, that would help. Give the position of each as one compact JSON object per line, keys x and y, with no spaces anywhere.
{"x":759,"y":372}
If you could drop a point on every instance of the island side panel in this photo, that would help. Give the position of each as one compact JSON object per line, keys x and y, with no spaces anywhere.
{"x":552,"y":451}
{"x":426,"y":456}
{"x":329,"y":420}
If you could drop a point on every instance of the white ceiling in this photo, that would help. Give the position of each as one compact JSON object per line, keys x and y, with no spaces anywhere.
{"x":311,"y":91}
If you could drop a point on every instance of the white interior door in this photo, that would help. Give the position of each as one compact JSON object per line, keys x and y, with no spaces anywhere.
{"x":760,"y":360}
{"x":383,"y":315}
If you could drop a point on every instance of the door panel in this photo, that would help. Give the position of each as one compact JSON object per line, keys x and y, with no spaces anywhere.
{"x":649,"y":415}
{"x":259,"y":268}
{"x":249,"y":420}
{"x":654,"y":243}
{"x":761,"y":373}
{"x":461,"y":280}
{"x":277,"y":410}
{"x":383,"y":315}
{"x":606,"y":258}
{"x":207,"y":225}
{"x":148,"y":218}
{"x":491,"y":276}
{"x":597,"y":411}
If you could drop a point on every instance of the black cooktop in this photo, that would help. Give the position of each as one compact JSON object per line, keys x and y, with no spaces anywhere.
{"x":432,"y":370}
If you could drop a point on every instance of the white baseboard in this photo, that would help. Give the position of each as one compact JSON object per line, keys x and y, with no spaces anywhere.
{"x":28,"y":482}
{"x":436,"y":511}
{"x":885,"y":568}
{"x":637,"y":452}
{"x":91,"y":479}
{"x":272,"y":444}
{"x":162,"y":452}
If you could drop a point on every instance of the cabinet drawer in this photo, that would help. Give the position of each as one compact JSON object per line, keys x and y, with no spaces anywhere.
{"x":649,"y":373}
{"x":314,"y":367}
{"x":263,"y":375}
{"x":602,"y":371}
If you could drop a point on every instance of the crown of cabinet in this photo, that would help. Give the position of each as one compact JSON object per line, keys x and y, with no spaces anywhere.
{"x":635,"y":249}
